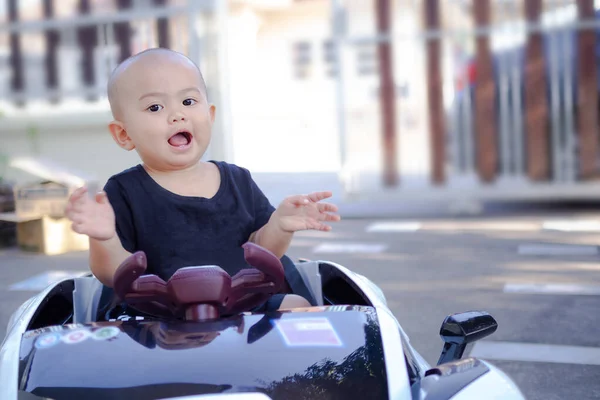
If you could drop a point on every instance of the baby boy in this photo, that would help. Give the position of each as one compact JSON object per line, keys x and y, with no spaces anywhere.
{"x":179,"y":210}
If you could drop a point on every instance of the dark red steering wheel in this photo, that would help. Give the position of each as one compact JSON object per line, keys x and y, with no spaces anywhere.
{"x":203,"y":292}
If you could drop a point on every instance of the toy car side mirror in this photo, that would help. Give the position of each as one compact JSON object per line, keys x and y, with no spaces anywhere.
{"x":459,"y":330}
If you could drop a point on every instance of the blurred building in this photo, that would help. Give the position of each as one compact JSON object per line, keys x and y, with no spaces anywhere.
{"x":428,"y":94}
{"x":486,"y":99}
{"x":271,"y":67}
{"x":268,"y":66}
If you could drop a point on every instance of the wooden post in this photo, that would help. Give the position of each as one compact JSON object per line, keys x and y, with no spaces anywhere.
{"x":435,"y":93}
{"x":387,"y":93}
{"x":52,"y":41}
{"x":16,"y":57}
{"x":587,"y":102}
{"x":123,"y":31}
{"x":536,"y":103}
{"x":485,"y":97}
{"x":88,"y":40}
{"x":163,"y":28}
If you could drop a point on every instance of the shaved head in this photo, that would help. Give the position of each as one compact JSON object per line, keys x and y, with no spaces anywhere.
{"x":124,"y":74}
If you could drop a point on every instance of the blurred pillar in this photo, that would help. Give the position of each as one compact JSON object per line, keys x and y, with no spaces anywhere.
{"x":587,"y":94}
{"x":485,"y":97}
{"x":16,"y":57}
{"x":52,"y":41}
{"x":88,"y":41}
{"x":536,"y":106}
{"x":163,"y":27}
{"x":435,"y":91}
{"x":123,"y":31}
{"x":387,"y":92}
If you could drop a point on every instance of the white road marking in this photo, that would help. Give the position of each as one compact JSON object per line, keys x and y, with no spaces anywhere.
{"x":533,"y":352}
{"x":552,"y":288}
{"x":350,"y":248}
{"x":394,"y":227}
{"x":453,"y":226}
{"x":41,"y":281}
{"x":557,"y":250}
{"x":572,"y":225}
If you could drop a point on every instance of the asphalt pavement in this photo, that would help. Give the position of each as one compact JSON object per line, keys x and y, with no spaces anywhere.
{"x":534,"y":270}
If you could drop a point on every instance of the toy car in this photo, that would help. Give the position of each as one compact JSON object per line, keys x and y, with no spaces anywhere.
{"x":196,"y":337}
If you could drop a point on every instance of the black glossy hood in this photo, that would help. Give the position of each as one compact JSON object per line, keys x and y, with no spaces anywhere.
{"x":327,"y":352}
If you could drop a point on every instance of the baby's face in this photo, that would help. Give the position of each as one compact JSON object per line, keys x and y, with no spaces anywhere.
{"x":165,"y":112}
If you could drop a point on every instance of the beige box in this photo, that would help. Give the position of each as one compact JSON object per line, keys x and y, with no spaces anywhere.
{"x":49,"y":235}
{"x":41,"y":199}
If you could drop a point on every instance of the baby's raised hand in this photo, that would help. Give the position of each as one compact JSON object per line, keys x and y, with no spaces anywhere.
{"x":303,"y":212}
{"x":92,"y":217}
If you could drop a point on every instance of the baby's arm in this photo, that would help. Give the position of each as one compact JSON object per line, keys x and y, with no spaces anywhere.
{"x":105,"y":258}
{"x":96,"y":219}
{"x":273,"y":238}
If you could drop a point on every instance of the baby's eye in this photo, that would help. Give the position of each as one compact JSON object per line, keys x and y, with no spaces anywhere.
{"x":189,"y":102}
{"x":154,"y":108}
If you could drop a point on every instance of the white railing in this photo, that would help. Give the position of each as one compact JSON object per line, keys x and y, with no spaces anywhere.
{"x":187,"y":30}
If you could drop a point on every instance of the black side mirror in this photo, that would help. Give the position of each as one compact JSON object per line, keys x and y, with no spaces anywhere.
{"x":459,"y":330}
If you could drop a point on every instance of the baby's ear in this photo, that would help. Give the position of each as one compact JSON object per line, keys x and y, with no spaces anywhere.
{"x":212,"y":112}
{"x":119,"y":134}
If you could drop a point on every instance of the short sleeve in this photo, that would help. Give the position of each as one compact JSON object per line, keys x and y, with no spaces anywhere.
{"x":262,"y":207}
{"x":123,"y":215}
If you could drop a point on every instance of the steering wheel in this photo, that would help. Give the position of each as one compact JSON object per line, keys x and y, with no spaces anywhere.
{"x":203,"y":292}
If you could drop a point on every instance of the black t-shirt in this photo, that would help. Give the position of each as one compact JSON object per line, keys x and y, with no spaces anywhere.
{"x":179,"y":231}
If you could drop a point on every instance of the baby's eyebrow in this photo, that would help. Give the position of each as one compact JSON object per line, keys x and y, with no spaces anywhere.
{"x":190,"y":89}
{"x":151,"y":94}
{"x":160,"y":94}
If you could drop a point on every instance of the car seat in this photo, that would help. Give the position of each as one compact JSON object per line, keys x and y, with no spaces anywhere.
{"x":309,"y":271}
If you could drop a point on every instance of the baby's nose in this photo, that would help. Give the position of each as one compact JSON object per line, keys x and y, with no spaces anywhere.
{"x":177,"y":117}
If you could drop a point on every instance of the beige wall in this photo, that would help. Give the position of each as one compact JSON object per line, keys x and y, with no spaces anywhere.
{"x":280,"y":123}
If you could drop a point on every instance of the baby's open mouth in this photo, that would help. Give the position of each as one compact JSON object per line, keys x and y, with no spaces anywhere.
{"x":181,"y":138}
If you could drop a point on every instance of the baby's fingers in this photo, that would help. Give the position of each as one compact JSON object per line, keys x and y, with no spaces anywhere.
{"x":318,"y":196}
{"x":70,"y":211}
{"x":321,"y":227}
{"x":330,"y":217}
{"x":77,"y":199}
{"x":315,"y":197}
{"x":298,"y":200}
{"x":327,"y":207}
{"x":77,"y":211}
{"x":78,"y":194}
{"x":101,"y":197}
